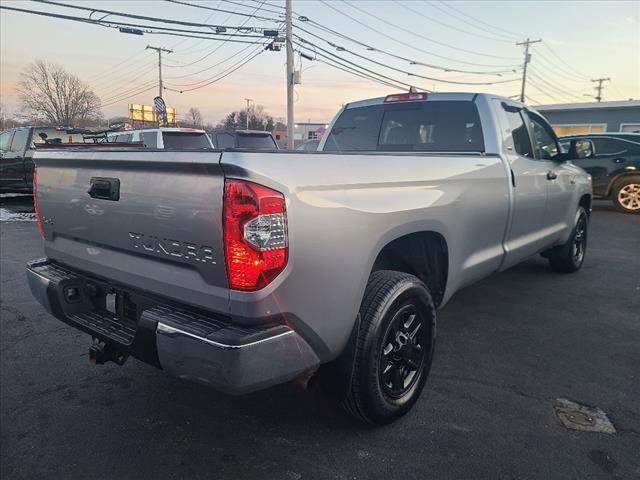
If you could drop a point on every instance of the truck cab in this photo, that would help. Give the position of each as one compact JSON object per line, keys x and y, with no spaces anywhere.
{"x":16,"y":154}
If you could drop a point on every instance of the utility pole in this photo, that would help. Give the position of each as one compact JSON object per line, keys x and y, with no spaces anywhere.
{"x":159,"y":50}
{"x":527,"y":59}
{"x":289,"y":76}
{"x":599,"y":88}
{"x":248,"y":100}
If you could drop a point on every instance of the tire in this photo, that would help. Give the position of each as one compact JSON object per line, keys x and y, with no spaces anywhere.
{"x":393,"y":352}
{"x":568,"y":258}
{"x":625,"y":194}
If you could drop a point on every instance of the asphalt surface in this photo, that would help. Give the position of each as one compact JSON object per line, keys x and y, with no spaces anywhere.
{"x":507,"y":348}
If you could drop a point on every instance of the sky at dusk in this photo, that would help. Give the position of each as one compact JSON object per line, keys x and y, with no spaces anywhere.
{"x":581,"y":41}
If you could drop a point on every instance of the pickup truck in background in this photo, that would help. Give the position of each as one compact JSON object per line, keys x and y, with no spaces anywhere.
{"x":16,"y":152}
{"x":166,"y":137}
{"x":244,"y":269}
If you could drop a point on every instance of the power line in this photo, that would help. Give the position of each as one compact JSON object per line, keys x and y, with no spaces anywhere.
{"x":555,"y":87}
{"x":115,"y":67}
{"x":261,"y":8}
{"x":206,"y":69}
{"x":424,"y":77}
{"x":440,"y":22}
{"x":394,"y":39}
{"x":144,"y":28}
{"x":370,"y":48}
{"x":564,"y":63}
{"x":218,"y":47}
{"x":561,"y":69}
{"x":410,"y":32}
{"x":147,"y":85}
{"x":535,"y":102}
{"x":348,"y":64}
{"x":128,"y":96}
{"x":553,"y":97}
{"x":257,"y":17}
{"x":144,"y":17}
{"x":351,"y":70}
{"x":231,"y":69}
{"x":511,"y":35}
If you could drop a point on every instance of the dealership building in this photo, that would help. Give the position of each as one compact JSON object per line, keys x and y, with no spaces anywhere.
{"x":593,"y":117}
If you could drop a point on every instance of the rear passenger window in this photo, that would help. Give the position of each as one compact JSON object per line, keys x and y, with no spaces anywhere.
{"x":609,"y":146}
{"x":519,"y":134}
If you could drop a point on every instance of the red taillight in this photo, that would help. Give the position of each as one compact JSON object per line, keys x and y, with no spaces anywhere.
{"x":35,"y":201}
{"x":255,"y":234}
{"x":405,"y":97}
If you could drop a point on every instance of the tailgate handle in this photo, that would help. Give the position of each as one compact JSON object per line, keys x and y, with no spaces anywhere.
{"x":105,"y":188}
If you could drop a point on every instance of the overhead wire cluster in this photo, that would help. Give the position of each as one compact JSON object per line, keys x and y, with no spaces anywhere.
{"x":550,"y":75}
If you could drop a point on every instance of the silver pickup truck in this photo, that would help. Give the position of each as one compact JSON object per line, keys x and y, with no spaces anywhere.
{"x":244,"y":269}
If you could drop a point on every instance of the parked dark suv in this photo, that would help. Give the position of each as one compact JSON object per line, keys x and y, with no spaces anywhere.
{"x":254,"y":139}
{"x":16,"y":152}
{"x":613,"y":161}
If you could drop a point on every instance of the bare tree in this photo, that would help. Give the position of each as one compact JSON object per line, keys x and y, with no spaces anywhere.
{"x":50,"y":93}
{"x":194,"y":117}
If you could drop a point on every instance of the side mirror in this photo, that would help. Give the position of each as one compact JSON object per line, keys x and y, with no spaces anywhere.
{"x":581,"y":148}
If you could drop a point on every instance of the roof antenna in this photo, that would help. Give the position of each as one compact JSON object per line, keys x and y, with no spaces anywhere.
{"x":413,"y":89}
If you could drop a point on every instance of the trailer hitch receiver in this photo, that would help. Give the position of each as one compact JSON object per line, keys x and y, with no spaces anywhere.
{"x":101,"y":353}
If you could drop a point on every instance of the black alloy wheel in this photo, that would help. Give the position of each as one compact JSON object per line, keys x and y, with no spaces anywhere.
{"x":403,"y":353}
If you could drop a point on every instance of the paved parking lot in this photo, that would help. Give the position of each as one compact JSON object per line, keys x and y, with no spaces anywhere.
{"x":508,"y":347}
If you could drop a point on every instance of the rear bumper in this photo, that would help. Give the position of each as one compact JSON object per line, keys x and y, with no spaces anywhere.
{"x":201,"y":347}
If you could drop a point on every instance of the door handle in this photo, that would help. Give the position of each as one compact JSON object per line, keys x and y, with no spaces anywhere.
{"x":619,"y":160}
{"x":551,"y":175}
{"x":104,"y":188}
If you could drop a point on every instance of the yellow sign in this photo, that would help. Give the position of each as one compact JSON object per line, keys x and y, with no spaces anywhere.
{"x":147,"y":113}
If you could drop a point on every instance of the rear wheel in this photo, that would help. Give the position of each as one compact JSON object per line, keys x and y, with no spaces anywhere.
{"x":626,"y":194}
{"x":569,"y":257}
{"x":394,"y":347}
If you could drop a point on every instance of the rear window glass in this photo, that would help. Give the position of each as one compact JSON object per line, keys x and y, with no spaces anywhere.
{"x":256,"y":141}
{"x":444,"y":126}
{"x":224,"y":140}
{"x":185,"y":140}
{"x":55,"y":136}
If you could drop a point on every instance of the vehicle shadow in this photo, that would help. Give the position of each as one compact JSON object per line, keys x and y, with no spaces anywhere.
{"x":17,"y":203}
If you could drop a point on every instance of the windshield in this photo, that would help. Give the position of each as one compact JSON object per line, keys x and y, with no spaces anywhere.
{"x":256,"y":141}
{"x":185,"y":140}
{"x":443,"y":126}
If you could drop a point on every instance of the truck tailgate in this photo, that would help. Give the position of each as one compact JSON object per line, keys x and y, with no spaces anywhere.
{"x":153,"y":221}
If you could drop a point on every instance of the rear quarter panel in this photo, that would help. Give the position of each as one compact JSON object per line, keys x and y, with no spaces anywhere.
{"x":343,"y":209}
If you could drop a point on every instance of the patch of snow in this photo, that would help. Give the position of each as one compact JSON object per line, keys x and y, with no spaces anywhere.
{"x":7,"y":215}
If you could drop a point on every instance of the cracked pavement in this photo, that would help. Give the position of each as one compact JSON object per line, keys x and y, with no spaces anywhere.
{"x":507,"y":348}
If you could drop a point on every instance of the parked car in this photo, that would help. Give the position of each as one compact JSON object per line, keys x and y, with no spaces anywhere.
{"x":613,"y":160}
{"x":165,"y":137}
{"x":253,"y":139}
{"x":310,"y":146}
{"x":16,"y":152}
{"x":258,"y":267}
